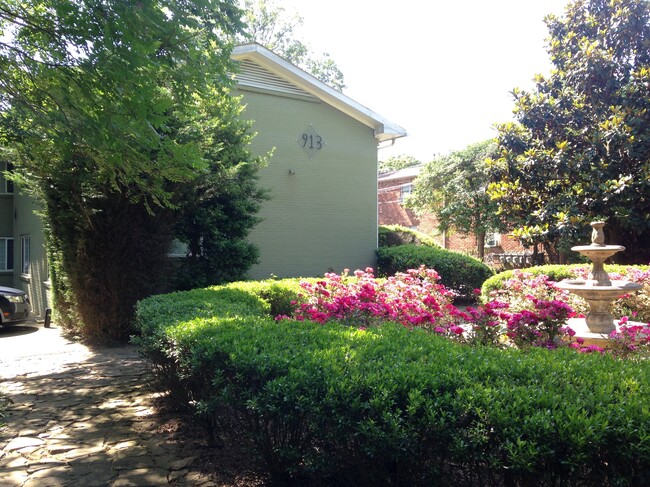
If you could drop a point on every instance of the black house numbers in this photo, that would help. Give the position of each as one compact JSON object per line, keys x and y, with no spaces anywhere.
{"x":311,"y":141}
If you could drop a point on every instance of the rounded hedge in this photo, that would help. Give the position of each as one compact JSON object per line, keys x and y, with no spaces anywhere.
{"x":555,"y":273}
{"x":392,"y":235}
{"x":337,"y":405}
{"x":458,"y":272}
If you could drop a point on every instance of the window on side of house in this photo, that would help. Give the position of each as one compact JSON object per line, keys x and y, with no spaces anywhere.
{"x":25,"y":262}
{"x":6,"y":254}
{"x":405,"y":192}
{"x":492,"y":239}
{"x":6,"y":186}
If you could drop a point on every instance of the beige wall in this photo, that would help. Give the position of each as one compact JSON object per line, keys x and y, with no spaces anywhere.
{"x":322,"y":215}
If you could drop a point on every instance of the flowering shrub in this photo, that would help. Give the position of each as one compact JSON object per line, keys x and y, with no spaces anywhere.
{"x":630,"y":340}
{"x":414,"y":298}
{"x":542,"y":327}
{"x":530,"y":311}
{"x":515,"y":290}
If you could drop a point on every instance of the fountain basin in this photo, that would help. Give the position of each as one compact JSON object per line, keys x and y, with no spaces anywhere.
{"x":599,"y":296}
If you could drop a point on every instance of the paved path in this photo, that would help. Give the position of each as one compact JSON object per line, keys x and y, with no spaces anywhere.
{"x":82,"y":417}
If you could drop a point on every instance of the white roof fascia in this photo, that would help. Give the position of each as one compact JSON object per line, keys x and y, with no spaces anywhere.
{"x":407,"y":172}
{"x":384,"y":130}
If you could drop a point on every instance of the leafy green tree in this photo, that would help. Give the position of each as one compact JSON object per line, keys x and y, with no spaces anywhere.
{"x":269,"y":25}
{"x":218,"y":211}
{"x":453,"y":188}
{"x":103,"y":109}
{"x":394,"y":163}
{"x":579,"y":148}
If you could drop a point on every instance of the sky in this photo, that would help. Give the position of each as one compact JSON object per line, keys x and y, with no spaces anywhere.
{"x":442,"y":70}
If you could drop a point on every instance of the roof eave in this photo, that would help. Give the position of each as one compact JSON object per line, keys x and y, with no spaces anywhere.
{"x":384,"y":130}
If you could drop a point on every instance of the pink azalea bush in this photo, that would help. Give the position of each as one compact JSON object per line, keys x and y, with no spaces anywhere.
{"x":522,"y":285}
{"x":530,"y":311}
{"x":414,"y":298}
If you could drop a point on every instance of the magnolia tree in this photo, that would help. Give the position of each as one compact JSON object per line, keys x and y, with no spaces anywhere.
{"x":578,"y":150}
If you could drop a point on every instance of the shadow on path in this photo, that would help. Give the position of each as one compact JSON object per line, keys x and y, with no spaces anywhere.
{"x":82,"y":417}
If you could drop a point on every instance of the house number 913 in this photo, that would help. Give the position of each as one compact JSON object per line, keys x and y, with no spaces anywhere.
{"x":312,"y":142}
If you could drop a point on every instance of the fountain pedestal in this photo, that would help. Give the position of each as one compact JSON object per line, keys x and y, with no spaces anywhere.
{"x":599,"y":291}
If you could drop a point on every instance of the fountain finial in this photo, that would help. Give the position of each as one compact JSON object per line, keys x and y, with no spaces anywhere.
{"x":597,"y":234}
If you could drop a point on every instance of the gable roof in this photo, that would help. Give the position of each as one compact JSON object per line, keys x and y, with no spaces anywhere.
{"x":408,"y":172}
{"x":277,"y":72}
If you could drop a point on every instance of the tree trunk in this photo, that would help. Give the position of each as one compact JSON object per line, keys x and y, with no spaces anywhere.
{"x":480,"y":244}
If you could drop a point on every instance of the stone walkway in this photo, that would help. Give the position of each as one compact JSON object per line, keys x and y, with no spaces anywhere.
{"x":82,"y":417}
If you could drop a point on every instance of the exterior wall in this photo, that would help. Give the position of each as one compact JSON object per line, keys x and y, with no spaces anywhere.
{"x":392,"y":212}
{"x":322,"y":215}
{"x":35,"y":282}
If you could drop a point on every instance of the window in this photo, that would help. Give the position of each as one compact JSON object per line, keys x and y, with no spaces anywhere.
{"x":6,"y":254}
{"x":405,"y":192}
{"x":24,"y":255}
{"x":6,"y":186}
{"x":492,"y":239}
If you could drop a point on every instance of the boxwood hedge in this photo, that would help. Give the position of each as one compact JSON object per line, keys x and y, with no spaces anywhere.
{"x":332,"y":405}
{"x":458,"y":272}
{"x":553,"y":271}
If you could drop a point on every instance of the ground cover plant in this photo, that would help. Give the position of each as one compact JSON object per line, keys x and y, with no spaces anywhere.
{"x":376,"y":394}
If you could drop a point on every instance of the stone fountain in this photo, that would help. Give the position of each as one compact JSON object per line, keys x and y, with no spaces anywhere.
{"x":598,"y":290}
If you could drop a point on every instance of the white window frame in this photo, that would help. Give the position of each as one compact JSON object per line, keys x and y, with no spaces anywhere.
{"x":25,"y":257}
{"x":404,"y":192}
{"x":492,"y":239}
{"x":8,"y":264}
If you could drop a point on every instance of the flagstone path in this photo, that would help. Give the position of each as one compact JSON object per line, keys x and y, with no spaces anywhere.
{"x":82,"y":417}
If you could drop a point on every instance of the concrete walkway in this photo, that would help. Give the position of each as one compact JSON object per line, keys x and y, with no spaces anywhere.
{"x":82,"y":417}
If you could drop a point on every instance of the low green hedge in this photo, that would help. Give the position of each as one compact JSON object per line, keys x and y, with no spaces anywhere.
{"x":553,"y":271}
{"x":392,"y":235}
{"x":330,"y":405}
{"x":458,"y":272}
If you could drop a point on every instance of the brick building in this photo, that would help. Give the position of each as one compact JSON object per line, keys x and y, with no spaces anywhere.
{"x":394,"y":187}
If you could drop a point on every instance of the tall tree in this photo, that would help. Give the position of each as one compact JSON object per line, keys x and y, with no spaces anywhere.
{"x":103,"y":106}
{"x":270,"y":25}
{"x":453,"y":188}
{"x":394,"y":163}
{"x":580,"y":147}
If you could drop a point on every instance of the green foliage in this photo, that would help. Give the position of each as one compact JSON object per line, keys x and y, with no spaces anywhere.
{"x":268,"y":25}
{"x":392,"y":406}
{"x":218,"y":211}
{"x":110,"y":111}
{"x":458,"y":272}
{"x":512,"y":286}
{"x":578,"y":151}
{"x":453,"y":188}
{"x":553,"y":271}
{"x":395,"y":163}
{"x":391,"y":235}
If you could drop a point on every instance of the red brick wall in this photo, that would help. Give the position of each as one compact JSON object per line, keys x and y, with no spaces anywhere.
{"x":391,"y":212}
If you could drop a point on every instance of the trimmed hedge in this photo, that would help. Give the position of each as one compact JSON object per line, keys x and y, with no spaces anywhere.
{"x":458,"y":272}
{"x":392,"y":235}
{"x":553,"y":271}
{"x":333,"y":405}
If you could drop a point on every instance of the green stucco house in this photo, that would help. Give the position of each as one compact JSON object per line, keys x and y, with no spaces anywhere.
{"x":322,"y":178}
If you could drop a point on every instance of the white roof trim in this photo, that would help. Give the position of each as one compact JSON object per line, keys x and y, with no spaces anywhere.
{"x":384,"y":130}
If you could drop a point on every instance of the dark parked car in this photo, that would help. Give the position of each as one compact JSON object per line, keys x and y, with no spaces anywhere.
{"x":15,"y":306}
